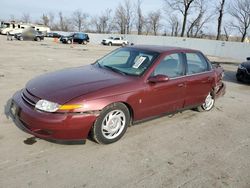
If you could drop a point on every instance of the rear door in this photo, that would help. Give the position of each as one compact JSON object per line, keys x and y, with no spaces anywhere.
{"x":199,"y":78}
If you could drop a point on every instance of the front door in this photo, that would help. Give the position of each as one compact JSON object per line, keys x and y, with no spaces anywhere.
{"x":166,"y":96}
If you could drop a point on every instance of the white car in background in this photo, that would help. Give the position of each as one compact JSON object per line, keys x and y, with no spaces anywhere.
{"x":118,"y":41}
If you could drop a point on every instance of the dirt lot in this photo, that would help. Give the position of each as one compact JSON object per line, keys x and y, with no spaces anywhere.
{"x":190,"y":149}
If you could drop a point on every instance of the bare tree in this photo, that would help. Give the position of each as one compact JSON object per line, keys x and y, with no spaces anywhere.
{"x":140,"y":18}
{"x":174,"y":24}
{"x":129,"y":15}
{"x":26,"y":18}
{"x":226,"y":33}
{"x":123,"y":17}
{"x":103,"y":23}
{"x":79,"y":19}
{"x":148,"y":27}
{"x":64,"y":23}
{"x":154,"y":20}
{"x":51,"y":19}
{"x":120,"y":19}
{"x":240,"y":11}
{"x":45,"y":20}
{"x":183,"y":6}
{"x":199,"y":21}
{"x":220,"y":10}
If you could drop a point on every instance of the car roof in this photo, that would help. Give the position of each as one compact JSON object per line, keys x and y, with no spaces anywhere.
{"x":161,"y":49}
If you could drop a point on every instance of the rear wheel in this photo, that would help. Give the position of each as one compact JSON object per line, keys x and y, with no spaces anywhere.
{"x":68,"y":41}
{"x":84,"y":42}
{"x":110,"y":44}
{"x":111,"y":124}
{"x":208,"y":104}
{"x":20,"y":38}
{"x":38,"y":39}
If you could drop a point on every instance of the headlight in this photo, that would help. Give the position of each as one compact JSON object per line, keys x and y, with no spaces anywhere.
{"x":241,"y":67}
{"x":47,"y":106}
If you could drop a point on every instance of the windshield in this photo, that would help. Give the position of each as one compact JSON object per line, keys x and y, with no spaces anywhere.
{"x":5,"y":25}
{"x":128,"y":61}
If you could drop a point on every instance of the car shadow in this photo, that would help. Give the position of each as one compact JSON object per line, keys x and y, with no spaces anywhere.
{"x":229,"y":76}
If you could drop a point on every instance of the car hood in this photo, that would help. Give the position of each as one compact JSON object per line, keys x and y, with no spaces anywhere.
{"x":65,"y":85}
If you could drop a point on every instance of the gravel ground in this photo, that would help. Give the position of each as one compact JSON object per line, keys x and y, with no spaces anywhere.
{"x":190,"y":149}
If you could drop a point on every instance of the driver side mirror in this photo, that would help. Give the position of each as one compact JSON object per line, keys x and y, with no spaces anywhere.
{"x":158,"y":78}
{"x":248,"y":58}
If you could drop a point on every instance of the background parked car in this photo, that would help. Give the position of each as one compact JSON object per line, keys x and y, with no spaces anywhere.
{"x":119,"y":41}
{"x":30,"y":34}
{"x":53,"y":35}
{"x":80,"y":38}
{"x":243,"y":72}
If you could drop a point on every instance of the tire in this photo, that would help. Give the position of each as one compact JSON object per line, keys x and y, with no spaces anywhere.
{"x":111,"y":124}
{"x":110,"y":44}
{"x":68,"y":41}
{"x":38,"y":39}
{"x":123,"y":44}
{"x":208,"y":104}
{"x":239,"y":77}
{"x":84,"y":42}
{"x":20,"y":38}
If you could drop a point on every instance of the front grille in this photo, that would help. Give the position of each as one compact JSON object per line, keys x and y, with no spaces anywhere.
{"x":28,"y":98}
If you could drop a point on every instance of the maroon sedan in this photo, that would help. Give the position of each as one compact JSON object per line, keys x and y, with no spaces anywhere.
{"x":126,"y":86}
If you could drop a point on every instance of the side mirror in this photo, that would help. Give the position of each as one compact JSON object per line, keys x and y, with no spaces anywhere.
{"x":158,"y":78}
{"x":248,"y":58}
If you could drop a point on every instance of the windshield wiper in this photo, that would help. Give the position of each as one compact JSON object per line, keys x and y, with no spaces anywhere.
{"x":115,"y":69}
{"x":98,"y":63}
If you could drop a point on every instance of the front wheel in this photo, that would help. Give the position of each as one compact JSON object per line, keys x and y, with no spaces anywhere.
{"x":38,"y":39}
{"x":208,"y":104}
{"x":111,"y":124}
{"x":84,"y":42}
{"x":239,"y":77}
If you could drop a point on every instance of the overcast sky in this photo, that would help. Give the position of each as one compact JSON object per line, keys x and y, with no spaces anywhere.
{"x":36,"y":8}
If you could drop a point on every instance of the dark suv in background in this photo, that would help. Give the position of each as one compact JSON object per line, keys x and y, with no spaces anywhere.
{"x":80,"y":38}
{"x":243,"y":72}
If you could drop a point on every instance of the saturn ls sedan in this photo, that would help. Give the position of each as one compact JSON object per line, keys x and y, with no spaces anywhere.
{"x":126,"y":86}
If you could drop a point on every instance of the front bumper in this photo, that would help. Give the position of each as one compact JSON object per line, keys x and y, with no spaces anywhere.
{"x":243,"y":75}
{"x":51,"y":126}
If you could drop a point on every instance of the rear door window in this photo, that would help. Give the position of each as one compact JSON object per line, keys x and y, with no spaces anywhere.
{"x":196,"y":63}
